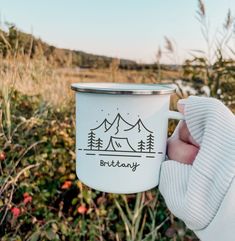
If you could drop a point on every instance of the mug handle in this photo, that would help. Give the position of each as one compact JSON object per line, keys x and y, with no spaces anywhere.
{"x":175,"y":115}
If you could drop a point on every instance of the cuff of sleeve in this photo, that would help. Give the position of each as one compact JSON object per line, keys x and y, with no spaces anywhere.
{"x":222,"y":226}
{"x":212,"y":125}
{"x":173,"y":185}
{"x":206,"y":117}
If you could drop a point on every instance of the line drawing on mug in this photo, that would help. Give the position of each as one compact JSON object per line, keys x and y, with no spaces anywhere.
{"x":121,"y":136}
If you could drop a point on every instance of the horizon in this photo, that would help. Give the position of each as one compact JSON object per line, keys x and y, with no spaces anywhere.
{"x":127,"y":30}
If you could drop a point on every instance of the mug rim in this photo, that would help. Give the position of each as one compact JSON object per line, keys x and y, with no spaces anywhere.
{"x":123,"y":88}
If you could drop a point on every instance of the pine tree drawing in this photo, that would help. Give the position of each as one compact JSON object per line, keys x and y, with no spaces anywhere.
{"x":99,"y":144}
{"x":91,"y":140}
{"x":150,"y":139}
{"x":141,"y":146}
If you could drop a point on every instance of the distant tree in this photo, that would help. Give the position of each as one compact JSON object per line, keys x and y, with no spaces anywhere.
{"x":150,"y":140}
{"x":141,"y":146}
{"x":91,"y":140}
{"x":99,"y":144}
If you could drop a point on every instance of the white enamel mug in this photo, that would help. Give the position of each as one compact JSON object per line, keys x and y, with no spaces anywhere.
{"x":121,"y":134}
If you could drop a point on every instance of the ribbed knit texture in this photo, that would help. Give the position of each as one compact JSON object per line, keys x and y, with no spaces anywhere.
{"x":195,"y":193}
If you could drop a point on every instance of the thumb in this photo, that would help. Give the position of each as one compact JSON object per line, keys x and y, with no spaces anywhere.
{"x":181,"y":105}
{"x":184,"y":132}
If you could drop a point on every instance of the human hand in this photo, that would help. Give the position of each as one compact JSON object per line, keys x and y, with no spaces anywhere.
{"x":181,"y":146}
{"x":201,"y":161}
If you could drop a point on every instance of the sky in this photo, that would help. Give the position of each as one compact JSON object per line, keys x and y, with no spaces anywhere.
{"x":132,"y":29}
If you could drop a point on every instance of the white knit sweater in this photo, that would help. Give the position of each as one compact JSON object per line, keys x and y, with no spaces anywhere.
{"x":196,"y":193}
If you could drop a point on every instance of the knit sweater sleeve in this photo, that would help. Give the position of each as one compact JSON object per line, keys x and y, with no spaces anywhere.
{"x":195,"y":193}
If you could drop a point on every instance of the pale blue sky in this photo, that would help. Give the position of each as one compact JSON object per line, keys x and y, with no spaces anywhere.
{"x":121,"y":28}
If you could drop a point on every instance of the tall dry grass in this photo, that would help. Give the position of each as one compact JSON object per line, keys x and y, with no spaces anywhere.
{"x":38,"y":76}
{"x":34,"y":77}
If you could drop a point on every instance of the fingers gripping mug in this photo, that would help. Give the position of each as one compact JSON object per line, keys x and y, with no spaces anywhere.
{"x":121,"y":134}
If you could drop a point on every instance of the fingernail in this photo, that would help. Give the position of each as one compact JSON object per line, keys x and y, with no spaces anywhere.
{"x":181,"y":105}
{"x":182,"y":101}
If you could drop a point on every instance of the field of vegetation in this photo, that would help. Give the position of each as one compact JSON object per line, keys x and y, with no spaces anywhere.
{"x":40,"y":195}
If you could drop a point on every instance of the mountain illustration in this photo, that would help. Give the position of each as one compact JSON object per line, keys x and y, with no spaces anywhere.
{"x":120,"y":135}
{"x":139,"y":126}
{"x":103,"y":126}
{"x":119,"y":144}
{"x":119,"y":124}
